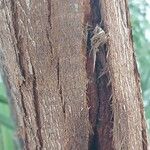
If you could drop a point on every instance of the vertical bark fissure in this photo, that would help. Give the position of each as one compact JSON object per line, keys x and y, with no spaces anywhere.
{"x":39,"y":92}
{"x":11,"y":33}
{"x":58,"y":73}
{"x":24,"y":121}
{"x":16,"y":45}
{"x":60,"y":89}
{"x":37,"y":111}
{"x":91,"y":19}
{"x":96,"y":15}
{"x":49,"y":40}
{"x":62,"y":102}
{"x":104,"y":113}
{"x":49,"y":10}
{"x":22,"y":101}
{"x":50,"y":25}
{"x":102,"y":110}
{"x":19,"y":58}
{"x":19,"y":52}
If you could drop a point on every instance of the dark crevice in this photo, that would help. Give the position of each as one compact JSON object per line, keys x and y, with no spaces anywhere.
{"x":22,"y":101}
{"x":24,"y":141}
{"x":49,"y":40}
{"x":37,"y":111}
{"x":11,"y":32}
{"x":99,"y":100}
{"x":96,"y":19}
{"x":96,"y":16}
{"x":49,"y":15}
{"x":62,"y":102}
{"x":60,"y":90}
{"x":58,"y":73}
{"x":50,"y":25}
{"x":18,"y":39}
{"x":105,"y":116}
{"x":21,"y":62}
{"x":19,"y":59}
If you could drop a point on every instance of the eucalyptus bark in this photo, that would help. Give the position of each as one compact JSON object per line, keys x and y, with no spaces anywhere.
{"x":59,"y":102}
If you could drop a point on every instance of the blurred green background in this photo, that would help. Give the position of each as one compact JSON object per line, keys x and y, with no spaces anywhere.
{"x":7,"y":136}
{"x":140,"y":16}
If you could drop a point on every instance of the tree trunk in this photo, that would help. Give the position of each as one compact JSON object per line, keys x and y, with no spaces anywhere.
{"x":129,"y":130}
{"x":60,"y":103}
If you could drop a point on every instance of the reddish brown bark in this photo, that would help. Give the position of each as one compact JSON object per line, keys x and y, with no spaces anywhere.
{"x":59,"y":101}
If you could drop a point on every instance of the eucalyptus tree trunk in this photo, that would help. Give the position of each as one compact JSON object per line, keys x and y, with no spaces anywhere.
{"x":59,"y":102}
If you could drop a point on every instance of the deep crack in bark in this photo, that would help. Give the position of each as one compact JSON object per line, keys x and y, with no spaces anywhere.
{"x":63,"y":103}
{"x":37,"y":111}
{"x":21,"y":63}
{"x":49,"y":10}
{"x":24,"y":121}
{"x":19,"y":52}
{"x":101,"y":96}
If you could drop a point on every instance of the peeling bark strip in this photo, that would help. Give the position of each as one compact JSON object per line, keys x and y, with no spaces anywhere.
{"x":37,"y":111}
{"x":128,"y":124}
{"x":41,"y":43}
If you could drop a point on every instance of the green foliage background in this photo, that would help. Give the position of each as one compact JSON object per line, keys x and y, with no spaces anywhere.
{"x":140,"y":26}
{"x":6,"y":123}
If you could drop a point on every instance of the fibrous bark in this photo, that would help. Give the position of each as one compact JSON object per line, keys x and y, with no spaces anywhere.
{"x":42,"y":56}
{"x":59,"y":101}
{"x":129,"y":130}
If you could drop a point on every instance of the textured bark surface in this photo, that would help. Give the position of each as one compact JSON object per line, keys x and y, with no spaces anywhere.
{"x":42,"y":55}
{"x":60,"y":103}
{"x":129,"y":130}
